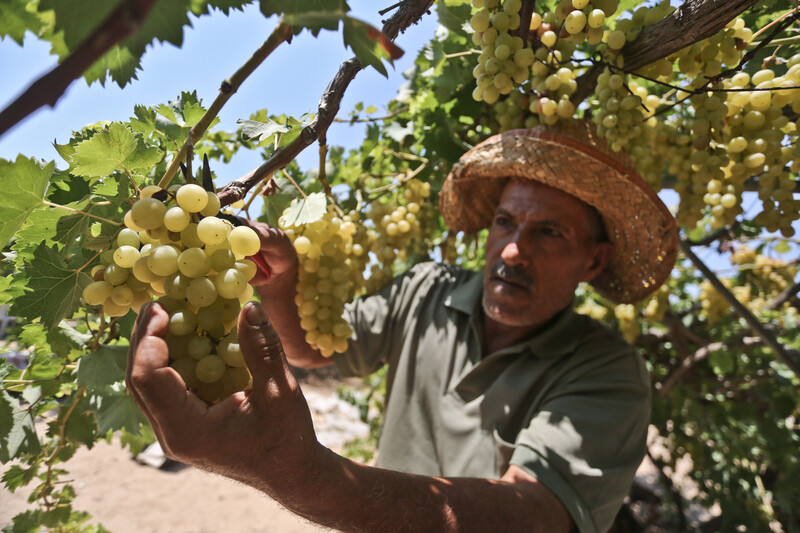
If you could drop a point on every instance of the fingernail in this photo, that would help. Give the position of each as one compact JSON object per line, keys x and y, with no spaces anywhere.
{"x":256,"y":316}
{"x":145,"y":310}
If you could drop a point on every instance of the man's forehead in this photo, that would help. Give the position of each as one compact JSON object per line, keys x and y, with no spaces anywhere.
{"x":525,"y":193}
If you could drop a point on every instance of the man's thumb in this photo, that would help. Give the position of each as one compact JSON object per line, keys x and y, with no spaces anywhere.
{"x":261,"y":346}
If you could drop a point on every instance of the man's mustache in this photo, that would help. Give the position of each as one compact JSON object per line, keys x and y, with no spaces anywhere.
{"x":511,"y":274}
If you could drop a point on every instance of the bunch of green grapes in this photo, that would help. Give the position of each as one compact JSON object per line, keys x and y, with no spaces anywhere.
{"x":627,"y":321}
{"x":655,"y":307}
{"x":758,"y":129}
{"x":195,"y":263}
{"x":325,"y":279}
{"x":397,"y":226}
{"x":714,"y":306}
{"x":592,"y":309}
{"x":504,"y":59}
{"x":619,"y":117}
{"x":707,"y":58}
{"x":769,"y":276}
{"x":710,"y":158}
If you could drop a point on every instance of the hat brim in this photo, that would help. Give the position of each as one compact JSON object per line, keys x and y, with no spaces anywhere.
{"x":574,"y":160}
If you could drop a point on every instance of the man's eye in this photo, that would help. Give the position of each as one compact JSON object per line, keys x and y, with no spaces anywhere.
{"x":502,"y":221}
{"x":551,"y":232}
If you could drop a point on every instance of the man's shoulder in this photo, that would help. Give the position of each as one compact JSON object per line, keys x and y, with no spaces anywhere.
{"x":600,"y":347}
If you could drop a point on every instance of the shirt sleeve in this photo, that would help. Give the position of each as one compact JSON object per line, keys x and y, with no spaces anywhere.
{"x":378,"y":323}
{"x":589,"y":438}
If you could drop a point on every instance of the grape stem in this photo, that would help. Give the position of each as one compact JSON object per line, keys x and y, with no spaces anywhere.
{"x":385,"y":117}
{"x":776,"y":21}
{"x":283,"y":32}
{"x":783,"y":297}
{"x":296,"y":186}
{"x":791,"y":358}
{"x":51,"y":204}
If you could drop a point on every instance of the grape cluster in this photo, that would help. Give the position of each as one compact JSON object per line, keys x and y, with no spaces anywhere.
{"x":195,"y":263}
{"x":325,"y":279}
{"x":627,"y":321}
{"x":620,"y":116}
{"x":396,"y":225}
{"x":504,"y":59}
{"x":767,"y":276}
{"x":757,"y":128}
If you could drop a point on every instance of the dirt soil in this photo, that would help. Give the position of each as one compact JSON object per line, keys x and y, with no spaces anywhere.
{"x":127,"y":497}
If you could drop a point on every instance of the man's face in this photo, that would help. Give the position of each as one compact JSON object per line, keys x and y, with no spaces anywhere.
{"x":541,"y":245}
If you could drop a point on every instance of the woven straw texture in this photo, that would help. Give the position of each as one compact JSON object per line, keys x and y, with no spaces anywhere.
{"x":570,"y":157}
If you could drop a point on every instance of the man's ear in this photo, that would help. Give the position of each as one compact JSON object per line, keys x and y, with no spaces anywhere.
{"x":601,"y":255}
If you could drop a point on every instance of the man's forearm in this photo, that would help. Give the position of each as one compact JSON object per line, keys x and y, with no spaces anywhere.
{"x":278,"y":300}
{"x":338,"y":493}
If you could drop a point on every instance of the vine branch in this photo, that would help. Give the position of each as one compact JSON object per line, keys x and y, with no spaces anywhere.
{"x":283,"y":32}
{"x":47,"y":90}
{"x":789,"y":357}
{"x":408,"y":12}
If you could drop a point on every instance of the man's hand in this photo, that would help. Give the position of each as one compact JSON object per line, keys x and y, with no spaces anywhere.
{"x":258,"y":433}
{"x":278,"y":253}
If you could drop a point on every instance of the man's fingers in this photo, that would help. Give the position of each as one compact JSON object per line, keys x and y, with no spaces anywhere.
{"x":157,"y":388}
{"x":262,"y":348}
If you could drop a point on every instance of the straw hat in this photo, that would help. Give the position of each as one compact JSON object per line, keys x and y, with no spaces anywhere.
{"x":571,"y":157}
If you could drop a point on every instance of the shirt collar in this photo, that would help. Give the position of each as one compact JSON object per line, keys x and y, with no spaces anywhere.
{"x":558,"y":338}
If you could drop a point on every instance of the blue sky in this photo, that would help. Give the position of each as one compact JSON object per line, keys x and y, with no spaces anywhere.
{"x":290,"y":81}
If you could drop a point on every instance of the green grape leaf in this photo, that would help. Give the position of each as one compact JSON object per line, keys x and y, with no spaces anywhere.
{"x":114,"y":148}
{"x":15,"y":20}
{"x":54,"y":291}
{"x":203,"y":7}
{"x":26,"y":522}
{"x":263,"y":131}
{"x":177,"y":117}
{"x":17,"y":433}
{"x":397,"y":132}
{"x":24,"y":185}
{"x":137,"y":443}
{"x":453,"y":15}
{"x":144,"y":120}
{"x":115,"y":410}
{"x":77,"y":19}
{"x":17,"y":476}
{"x":722,"y":362}
{"x":307,"y":210}
{"x":102,"y":367}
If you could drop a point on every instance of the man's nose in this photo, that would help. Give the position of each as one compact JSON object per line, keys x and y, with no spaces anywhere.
{"x":512,"y":255}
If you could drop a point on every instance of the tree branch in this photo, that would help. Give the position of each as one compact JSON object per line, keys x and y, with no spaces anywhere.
{"x":408,"y":12}
{"x":783,"y":297}
{"x":121,"y":23}
{"x":283,"y":32}
{"x":789,"y":357}
{"x":693,"y":21}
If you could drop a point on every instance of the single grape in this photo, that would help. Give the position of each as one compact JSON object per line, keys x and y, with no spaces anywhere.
{"x":116,"y":275}
{"x":201,"y":292}
{"x":192,"y":198}
{"x":212,"y":207}
{"x":210,"y":368}
{"x":193,"y":263}
{"x":230,"y":283}
{"x":97,"y":292}
{"x":199,"y":346}
{"x":212,"y":230}
{"x":122,"y":295}
{"x":175,"y":286}
{"x":163,"y":260}
{"x":125,"y":256}
{"x":148,"y":213}
{"x":176,"y":219}
{"x":222,"y":259}
{"x":230,"y":352}
{"x":182,"y":322}
{"x":244,"y":241}
{"x":247,"y":268}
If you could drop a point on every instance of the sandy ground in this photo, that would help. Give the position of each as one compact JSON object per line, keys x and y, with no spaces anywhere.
{"x":127,"y":497}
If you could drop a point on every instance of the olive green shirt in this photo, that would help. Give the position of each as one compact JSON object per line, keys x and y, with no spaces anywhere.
{"x":571,"y":405}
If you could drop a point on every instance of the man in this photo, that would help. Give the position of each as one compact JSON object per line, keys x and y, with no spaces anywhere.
{"x":507,"y":411}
